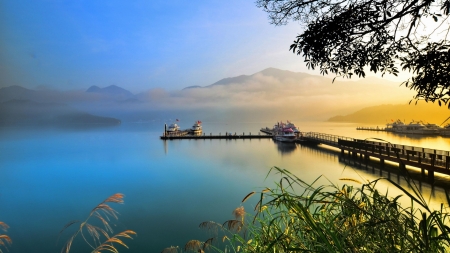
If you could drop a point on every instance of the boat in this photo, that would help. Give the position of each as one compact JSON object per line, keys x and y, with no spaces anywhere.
{"x":196,"y":128}
{"x":292,"y":126}
{"x":285,"y":134}
{"x":173,"y":128}
{"x":445,"y":131}
{"x":413,"y":127}
{"x":279,"y":126}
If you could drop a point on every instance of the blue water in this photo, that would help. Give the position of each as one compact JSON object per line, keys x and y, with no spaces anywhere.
{"x":50,"y":177}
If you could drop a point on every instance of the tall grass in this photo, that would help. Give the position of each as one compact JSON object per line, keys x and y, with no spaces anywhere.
{"x":300,"y":217}
{"x":5,"y":240}
{"x":99,"y":239}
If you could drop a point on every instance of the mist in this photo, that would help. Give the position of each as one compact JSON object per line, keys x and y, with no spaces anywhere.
{"x":268,"y":95}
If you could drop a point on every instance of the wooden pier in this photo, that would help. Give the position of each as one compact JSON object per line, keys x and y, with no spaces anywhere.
{"x":428,"y":160}
{"x":219,"y":136}
{"x":371,"y":128}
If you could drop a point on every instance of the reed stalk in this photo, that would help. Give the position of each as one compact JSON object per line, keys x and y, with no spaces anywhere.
{"x":5,"y":240}
{"x":103,"y":214}
{"x":300,"y":217}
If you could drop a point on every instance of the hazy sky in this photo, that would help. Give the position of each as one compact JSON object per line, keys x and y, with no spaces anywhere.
{"x":138,"y":45}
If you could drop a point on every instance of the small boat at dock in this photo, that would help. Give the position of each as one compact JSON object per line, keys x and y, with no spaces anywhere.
{"x":196,"y":129}
{"x":173,"y":128}
{"x":285,"y":135}
{"x":412,"y":128}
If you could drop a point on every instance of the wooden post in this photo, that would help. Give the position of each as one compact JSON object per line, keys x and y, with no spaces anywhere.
{"x":420,"y":164}
{"x":431,"y":170}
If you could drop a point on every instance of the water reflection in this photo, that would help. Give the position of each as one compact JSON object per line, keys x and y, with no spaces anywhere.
{"x":208,"y":178}
{"x":285,"y":147}
{"x":375,"y":169}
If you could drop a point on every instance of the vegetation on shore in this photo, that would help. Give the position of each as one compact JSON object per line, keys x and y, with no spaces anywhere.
{"x":102,"y":213}
{"x":329,"y":219}
{"x":297,"y":216}
{"x":5,"y":240}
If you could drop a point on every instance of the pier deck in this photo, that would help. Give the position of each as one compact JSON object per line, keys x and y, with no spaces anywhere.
{"x":372,"y":128}
{"x":430,"y":160}
{"x":219,"y":136}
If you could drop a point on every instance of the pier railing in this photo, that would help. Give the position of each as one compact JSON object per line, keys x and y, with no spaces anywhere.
{"x":329,"y":139}
{"x":433,"y":157}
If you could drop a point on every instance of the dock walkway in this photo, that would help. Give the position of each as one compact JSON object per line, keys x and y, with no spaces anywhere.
{"x":430,"y":160}
{"x":372,"y":128}
{"x":219,"y":136}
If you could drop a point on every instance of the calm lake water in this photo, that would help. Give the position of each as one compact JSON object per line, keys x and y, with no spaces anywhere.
{"x":52,"y":176}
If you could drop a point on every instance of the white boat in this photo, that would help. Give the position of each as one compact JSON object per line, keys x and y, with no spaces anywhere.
{"x":445,"y":131}
{"x":173,"y":128}
{"x":279,"y":126}
{"x":285,"y":135}
{"x":292,"y":126}
{"x":197,"y":127}
{"x":411,"y":128}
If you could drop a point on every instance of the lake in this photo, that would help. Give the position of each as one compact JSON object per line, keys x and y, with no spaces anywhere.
{"x":50,"y":177}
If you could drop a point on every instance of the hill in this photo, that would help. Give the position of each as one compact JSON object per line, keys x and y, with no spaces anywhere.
{"x":26,"y":112}
{"x":383,"y":114}
{"x":112,"y":90}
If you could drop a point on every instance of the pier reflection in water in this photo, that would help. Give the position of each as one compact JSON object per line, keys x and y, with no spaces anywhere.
{"x":373,"y":169}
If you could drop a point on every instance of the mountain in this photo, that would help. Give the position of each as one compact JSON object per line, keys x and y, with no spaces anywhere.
{"x":26,"y":112}
{"x":237,"y":79}
{"x":383,"y":114}
{"x":282,"y":75}
{"x":16,"y":92}
{"x":112,"y":90}
{"x":192,"y":87}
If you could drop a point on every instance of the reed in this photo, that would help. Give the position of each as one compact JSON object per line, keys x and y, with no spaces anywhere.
{"x":297,"y":216}
{"x":100,"y":239}
{"x":5,"y":240}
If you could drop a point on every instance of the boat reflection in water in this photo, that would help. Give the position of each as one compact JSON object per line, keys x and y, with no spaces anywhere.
{"x":285,"y":147}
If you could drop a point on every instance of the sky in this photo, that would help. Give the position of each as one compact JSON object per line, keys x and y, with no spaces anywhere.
{"x":138,"y":45}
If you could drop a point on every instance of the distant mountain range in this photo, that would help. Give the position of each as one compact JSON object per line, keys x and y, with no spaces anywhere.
{"x":383,"y":114}
{"x":111,"y":90}
{"x":269,"y":94}
{"x":278,"y":74}
{"x":17,"y":112}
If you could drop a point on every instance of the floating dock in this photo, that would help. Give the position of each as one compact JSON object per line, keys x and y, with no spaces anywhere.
{"x":186,"y":135}
{"x":371,"y":128}
{"x":428,"y":160}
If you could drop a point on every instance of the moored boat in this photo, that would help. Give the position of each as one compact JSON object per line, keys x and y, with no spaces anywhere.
{"x":412,"y":128}
{"x":445,"y":131}
{"x":285,"y":135}
{"x":173,"y":128}
{"x":196,"y":128}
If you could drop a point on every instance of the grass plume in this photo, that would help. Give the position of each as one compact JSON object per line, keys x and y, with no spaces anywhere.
{"x":5,"y":240}
{"x":171,"y":249}
{"x":102,"y":213}
{"x":297,"y":216}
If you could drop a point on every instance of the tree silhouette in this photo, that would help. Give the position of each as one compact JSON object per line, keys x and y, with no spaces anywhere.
{"x":349,"y":37}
